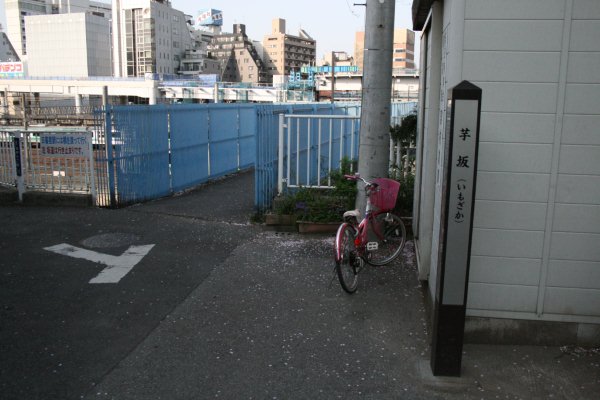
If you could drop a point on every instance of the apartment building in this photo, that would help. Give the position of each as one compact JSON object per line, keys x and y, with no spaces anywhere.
{"x":149,"y":36}
{"x":73,"y":45}
{"x":238,"y":59}
{"x":284,"y":53}
{"x":18,"y":10}
{"x":403,"y":48}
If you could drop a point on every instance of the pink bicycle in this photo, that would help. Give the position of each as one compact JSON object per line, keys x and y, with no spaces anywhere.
{"x":377,"y":239}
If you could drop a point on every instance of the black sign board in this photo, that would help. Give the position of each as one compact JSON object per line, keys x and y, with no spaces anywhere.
{"x":462,"y":141}
{"x":18,"y":164}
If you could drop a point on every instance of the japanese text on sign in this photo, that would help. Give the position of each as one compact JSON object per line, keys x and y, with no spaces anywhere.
{"x":73,"y":145}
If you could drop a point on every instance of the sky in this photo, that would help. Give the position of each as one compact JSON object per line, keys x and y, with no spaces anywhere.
{"x":332,"y":23}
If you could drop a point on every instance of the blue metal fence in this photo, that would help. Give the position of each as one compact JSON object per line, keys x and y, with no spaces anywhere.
{"x":158,"y":150}
{"x":267,"y":159}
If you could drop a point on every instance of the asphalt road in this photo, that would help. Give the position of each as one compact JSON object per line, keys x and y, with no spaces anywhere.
{"x":221,"y":308}
{"x":59,"y":334}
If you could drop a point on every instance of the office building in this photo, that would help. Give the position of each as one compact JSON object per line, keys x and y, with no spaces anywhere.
{"x":18,"y":10}
{"x":284,"y":53}
{"x":238,"y":59}
{"x":7,"y":51}
{"x":149,"y":36}
{"x":403,"y":48}
{"x":73,"y":45}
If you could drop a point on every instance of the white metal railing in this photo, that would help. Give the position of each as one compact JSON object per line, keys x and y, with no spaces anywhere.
{"x":7,"y":159}
{"x":312,"y":146}
{"x":49,"y":161}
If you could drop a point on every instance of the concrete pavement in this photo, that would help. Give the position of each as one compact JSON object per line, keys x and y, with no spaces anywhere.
{"x":221,"y":308}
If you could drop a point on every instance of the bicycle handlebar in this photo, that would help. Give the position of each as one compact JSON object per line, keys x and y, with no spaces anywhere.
{"x":357,"y":177}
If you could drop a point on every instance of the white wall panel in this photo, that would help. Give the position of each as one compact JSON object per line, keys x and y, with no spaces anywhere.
{"x":517,"y":128}
{"x":509,"y":35}
{"x":578,"y":189}
{"x":575,"y":246}
{"x":502,"y":297}
{"x":577,"y":218}
{"x":584,"y":35}
{"x":572,"y":301}
{"x":518,"y":97}
{"x":581,"y":129}
{"x":515,"y":9}
{"x":584,"y":67}
{"x":574,"y":274}
{"x":584,"y":160}
{"x":515,"y":157}
{"x":512,"y":187}
{"x":583,"y":99}
{"x":507,"y":243}
{"x":510,"y":215}
{"x":505,"y":270}
{"x":586,"y":9}
{"x":506,"y":66}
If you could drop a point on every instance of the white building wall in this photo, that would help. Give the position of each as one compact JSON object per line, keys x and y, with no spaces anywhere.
{"x":171,"y":35}
{"x":536,"y":237}
{"x":73,"y":45}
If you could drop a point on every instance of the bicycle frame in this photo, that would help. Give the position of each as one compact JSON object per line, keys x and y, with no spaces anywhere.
{"x":362,"y":230}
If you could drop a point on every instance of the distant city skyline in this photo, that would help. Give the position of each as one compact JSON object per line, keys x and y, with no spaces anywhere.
{"x":332,"y":23}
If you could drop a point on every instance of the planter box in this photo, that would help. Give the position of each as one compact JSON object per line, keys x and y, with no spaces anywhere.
{"x":317,"y":227}
{"x":280,"y":219}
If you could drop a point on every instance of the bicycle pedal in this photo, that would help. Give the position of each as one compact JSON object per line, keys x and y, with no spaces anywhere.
{"x":372,"y":246}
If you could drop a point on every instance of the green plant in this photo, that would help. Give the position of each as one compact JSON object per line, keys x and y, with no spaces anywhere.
{"x":321,"y":205}
{"x":404,"y":203}
{"x":284,"y":205}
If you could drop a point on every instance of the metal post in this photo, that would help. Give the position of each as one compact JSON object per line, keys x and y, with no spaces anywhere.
{"x":109,"y":148}
{"x":332,"y":76}
{"x":24,"y":104}
{"x":280,"y":155}
{"x":377,"y":82}
{"x":92,"y":168}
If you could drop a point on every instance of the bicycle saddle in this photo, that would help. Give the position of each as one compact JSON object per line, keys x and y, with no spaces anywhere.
{"x":352,"y":214}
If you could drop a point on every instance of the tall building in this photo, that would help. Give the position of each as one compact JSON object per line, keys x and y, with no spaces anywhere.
{"x":238,"y":59}
{"x":74,"y":45}
{"x":149,"y":36}
{"x":18,"y":10}
{"x":284,"y":53}
{"x":403,"y":48}
{"x":7,"y":51}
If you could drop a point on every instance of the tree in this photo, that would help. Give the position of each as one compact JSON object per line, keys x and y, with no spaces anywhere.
{"x":403,"y":136}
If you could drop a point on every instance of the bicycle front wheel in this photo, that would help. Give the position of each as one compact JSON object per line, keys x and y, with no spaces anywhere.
{"x":389,"y":232}
{"x":347,"y":262}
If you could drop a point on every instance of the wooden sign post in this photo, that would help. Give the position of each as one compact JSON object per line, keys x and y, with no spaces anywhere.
{"x":462,"y":142}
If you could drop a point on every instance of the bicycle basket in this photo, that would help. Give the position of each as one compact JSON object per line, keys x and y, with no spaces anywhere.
{"x":384,"y":198}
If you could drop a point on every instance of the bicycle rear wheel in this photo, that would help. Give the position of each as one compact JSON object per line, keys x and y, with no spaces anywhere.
{"x":389,"y":232}
{"x":347,"y":261}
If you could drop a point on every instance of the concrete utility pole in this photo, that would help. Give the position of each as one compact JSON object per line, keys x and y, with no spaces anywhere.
{"x":373,"y":151}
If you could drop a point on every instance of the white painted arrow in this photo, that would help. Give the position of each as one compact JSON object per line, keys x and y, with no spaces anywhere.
{"x":118,"y":266}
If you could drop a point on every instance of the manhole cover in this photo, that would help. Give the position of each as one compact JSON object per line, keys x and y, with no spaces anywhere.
{"x":108,"y":240}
